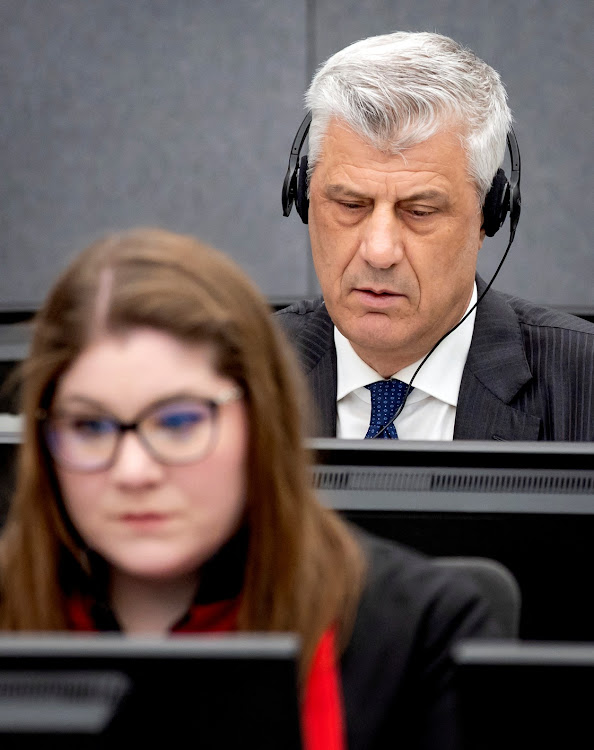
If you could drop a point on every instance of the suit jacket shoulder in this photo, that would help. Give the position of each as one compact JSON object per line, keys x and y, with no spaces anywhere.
{"x":396,"y":671}
{"x":309,"y":327}
{"x":528,"y":374}
{"x":311,"y":331}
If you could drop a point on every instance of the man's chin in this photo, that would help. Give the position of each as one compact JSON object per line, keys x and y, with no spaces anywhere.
{"x":375,"y":331}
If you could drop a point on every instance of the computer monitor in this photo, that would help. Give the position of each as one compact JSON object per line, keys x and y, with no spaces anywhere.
{"x":528,"y":505}
{"x":92,"y":690}
{"x":516,"y":695}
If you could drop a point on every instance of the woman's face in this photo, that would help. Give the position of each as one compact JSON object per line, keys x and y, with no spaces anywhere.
{"x":150,"y":519}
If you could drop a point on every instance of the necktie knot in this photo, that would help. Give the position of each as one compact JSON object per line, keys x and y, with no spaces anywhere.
{"x":386,"y":398}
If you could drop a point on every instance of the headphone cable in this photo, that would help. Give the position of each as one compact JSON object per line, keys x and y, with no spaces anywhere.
{"x":459,"y":323}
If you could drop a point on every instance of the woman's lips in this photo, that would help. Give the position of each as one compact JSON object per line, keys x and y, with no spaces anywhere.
{"x":144,"y":520}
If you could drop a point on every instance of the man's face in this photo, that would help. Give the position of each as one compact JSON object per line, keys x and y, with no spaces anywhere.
{"x":394,"y":241}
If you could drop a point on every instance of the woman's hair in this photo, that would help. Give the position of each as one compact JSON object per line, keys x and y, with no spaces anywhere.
{"x":397,"y":90}
{"x":304,"y":570}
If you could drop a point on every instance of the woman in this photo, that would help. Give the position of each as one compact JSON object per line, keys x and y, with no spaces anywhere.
{"x":162,"y":487}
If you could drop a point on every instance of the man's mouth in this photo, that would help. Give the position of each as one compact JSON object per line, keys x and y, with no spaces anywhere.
{"x":378,"y":292}
{"x":376,"y":297}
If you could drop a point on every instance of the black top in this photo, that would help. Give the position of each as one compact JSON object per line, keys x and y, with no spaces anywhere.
{"x":397,"y":672}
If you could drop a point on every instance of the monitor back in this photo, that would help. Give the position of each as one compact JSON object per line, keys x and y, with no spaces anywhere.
{"x":525,"y":695}
{"x":529,"y":506}
{"x":91,"y":691}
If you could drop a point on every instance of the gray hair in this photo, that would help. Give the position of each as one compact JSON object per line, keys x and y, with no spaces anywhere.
{"x":397,"y":90}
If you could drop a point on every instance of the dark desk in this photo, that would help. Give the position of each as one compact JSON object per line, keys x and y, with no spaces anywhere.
{"x":530,"y":506}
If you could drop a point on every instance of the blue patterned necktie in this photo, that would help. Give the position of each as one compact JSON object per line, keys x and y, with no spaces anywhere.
{"x":386,"y":397}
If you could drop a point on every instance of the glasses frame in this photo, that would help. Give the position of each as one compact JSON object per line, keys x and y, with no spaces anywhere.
{"x":214,"y":403}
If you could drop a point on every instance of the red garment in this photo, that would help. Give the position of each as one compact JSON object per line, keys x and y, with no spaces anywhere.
{"x":322,"y":718}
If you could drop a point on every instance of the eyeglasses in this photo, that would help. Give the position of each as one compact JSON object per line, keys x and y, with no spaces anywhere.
{"x":176,"y":431}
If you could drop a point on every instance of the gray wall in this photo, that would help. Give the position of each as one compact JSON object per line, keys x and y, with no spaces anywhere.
{"x":180,"y":113}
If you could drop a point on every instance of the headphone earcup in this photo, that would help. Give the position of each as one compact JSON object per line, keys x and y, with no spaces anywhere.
{"x":496,"y":204}
{"x":301,"y":199}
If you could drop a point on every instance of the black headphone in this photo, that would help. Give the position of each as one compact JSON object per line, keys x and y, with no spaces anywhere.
{"x":503,"y":196}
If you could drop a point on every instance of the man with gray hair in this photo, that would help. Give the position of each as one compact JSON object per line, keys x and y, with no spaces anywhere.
{"x":401,"y":184}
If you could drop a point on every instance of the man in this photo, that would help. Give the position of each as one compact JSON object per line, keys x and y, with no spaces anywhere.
{"x":407,"y":133}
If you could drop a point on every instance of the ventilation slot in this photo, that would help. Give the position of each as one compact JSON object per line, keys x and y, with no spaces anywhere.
{"x":453,"y":480}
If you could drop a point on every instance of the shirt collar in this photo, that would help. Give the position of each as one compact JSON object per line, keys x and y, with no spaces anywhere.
{"x":439,"y":377}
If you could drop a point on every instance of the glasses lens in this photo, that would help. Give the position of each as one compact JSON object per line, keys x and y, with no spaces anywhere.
{"x":81,"y":442}
{"x":180,"y":431}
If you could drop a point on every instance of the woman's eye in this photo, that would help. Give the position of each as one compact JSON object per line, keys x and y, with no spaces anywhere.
{"x":180,"y":421}
{"x":89,"y":427}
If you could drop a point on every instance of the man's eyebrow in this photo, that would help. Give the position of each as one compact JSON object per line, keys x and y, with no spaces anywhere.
{"x":342,"y":191}
{"x":426,"y":195}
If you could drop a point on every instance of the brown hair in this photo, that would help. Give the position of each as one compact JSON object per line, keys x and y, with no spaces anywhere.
{"x":304,"y":570}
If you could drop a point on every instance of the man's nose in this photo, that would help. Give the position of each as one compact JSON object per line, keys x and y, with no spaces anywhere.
{"x":134,"y":466}
{"x":382,"y":245}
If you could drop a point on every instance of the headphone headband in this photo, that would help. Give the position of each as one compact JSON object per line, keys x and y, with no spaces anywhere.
{"x":290,"y":183}
{"x":515,"y":197}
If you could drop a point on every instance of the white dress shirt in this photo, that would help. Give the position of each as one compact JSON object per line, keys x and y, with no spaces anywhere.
{"x":430,"y":409}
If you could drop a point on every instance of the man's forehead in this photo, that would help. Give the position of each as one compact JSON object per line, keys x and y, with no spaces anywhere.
{"x":350,"y":166}
{"x":340,"y":137}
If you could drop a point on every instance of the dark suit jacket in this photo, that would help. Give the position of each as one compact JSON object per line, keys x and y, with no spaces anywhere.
{"x":397,"y":674}
{"x":528,"y":375}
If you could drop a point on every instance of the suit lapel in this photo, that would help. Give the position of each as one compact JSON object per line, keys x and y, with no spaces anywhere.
{"x":317,"y":352}
{"x":496,"y":370}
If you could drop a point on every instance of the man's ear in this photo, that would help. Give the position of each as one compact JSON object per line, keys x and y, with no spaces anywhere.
{"x":482,"y":233}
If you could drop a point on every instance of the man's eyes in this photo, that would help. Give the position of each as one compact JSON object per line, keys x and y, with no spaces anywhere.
{"x":417,"y":212}
{"x":351,"y":206}
{"x":421,"y":212}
